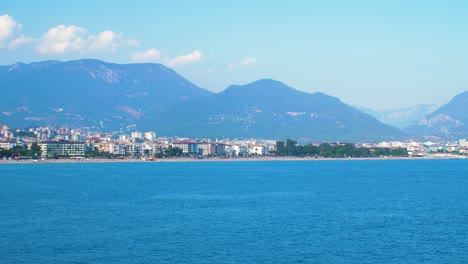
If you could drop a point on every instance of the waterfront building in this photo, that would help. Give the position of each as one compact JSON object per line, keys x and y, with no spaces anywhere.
{"x":219,"y":149}
{"x":119,"y":149}
{"x":238,"y":150}
{"x":52,"y":149}
{"x":259,"y":150}
{"x":187,"y":146}
{"x":205,"y":149}
{"x":133,"y":150}
{"x":108,"y":147}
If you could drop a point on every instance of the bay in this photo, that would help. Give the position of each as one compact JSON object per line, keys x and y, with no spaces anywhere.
{"x":341,"y":211}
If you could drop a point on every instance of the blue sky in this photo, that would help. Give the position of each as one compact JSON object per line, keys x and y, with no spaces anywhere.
{"x":376,"y":54}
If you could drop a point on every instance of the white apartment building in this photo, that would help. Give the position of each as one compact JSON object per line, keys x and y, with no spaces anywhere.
{"x":150,"y":136}
{"x":7,"y":145}
{"x":136,"y":134}
{"x":259,"y":150}
{"x":238,"y":150}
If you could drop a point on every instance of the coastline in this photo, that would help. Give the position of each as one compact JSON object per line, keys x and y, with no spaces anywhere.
{"x":250,"y":159}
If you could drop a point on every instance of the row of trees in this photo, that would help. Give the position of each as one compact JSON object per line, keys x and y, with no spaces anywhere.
{"x":18,"y":151}
{"x":291,"y":148}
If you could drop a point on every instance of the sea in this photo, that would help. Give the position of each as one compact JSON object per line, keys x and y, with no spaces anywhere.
{"x":318,"y":211}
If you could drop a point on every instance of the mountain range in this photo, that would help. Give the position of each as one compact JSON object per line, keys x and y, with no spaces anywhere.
{"x":271,"y":109}
{"x":89,"y":93}
{"x":111,"y":97}
{"x":447,"y":122}
{"x":401,"y":117}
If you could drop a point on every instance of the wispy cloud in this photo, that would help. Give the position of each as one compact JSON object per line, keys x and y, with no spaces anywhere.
{"x":248,"y":60}
{"x":132,"y":43}
{"x":151,"y":55}
{"x":154,"y":55}
{"x":19,"y":41}
{"x":10,"y":33}
{"x":182,"y":60}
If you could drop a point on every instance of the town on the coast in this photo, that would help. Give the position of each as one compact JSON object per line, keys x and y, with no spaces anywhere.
{"x":42,"y":143}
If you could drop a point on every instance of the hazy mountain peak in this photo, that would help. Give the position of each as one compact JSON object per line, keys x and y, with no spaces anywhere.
{"x":449,"y":121}
{"x":401,"y":117}
{"x":261,"y":88}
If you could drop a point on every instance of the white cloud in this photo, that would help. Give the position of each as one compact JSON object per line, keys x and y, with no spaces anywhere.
{"x":248,"y":60}
{"x":64,"y":39}
{"x":19,"y":41}
{"x":10,"y":35}
{"x":151,"y":55}
{"x":8,"y":27}
{"x":182,"y":60}
{"x":105,"y":40}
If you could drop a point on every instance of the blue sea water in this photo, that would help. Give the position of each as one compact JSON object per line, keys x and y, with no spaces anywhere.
{"x":380,"y":211}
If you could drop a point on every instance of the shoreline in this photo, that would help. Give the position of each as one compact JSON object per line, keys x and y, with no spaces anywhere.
{"x":250,"y":159}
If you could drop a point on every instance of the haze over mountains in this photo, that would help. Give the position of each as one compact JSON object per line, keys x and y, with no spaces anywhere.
{"x":400,"y":117}
{"x":448,"y":122}
{"x":110,"y":97}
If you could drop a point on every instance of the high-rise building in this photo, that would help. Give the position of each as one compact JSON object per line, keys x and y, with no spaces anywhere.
{"x":150,"y":135}
{"x":136,"y":134}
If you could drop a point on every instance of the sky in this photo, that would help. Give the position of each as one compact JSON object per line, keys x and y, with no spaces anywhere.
{"x":374,"y":54}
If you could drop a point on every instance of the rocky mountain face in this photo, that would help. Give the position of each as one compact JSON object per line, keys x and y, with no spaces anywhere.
{"x":448,"y":122}
{"x":89,"y":93}
{"x":109,"y":97}
{"x":401,"y":117}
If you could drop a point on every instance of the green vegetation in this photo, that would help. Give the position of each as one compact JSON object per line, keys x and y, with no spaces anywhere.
{"x":19,"y":151}
{"x":341,"y":150}
{"x":21,"y":134}
{"x":173,"y":152}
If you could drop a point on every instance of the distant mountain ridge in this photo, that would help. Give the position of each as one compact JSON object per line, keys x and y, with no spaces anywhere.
{"x":401,"y":117}
{"x":448,"y":122}
{"x":107,"y":96}
{"x":269,"y":108}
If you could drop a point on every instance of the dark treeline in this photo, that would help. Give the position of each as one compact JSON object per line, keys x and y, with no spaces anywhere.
{"x":19,"y":151}
{"x":327,"y":150}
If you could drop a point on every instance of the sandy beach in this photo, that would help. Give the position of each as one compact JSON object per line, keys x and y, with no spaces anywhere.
{"x":91,"y":160}
{"x":250,"y":159}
